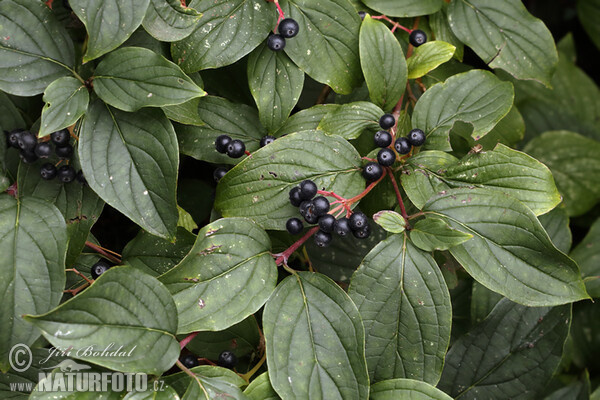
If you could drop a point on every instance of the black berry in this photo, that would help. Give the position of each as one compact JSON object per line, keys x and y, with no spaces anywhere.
{"x":294,"y":226}
{"x":362,"y":233}
{"x":48,"y":171}
{"x":13,"y":138}
{"x":227,"y":359}
{"x":295,"y":197}
{"x":66,"y":174}
{"x":387,"y":121}
{"x":386,"y":157}
{"x":358,"y":221}
{"x":265,"y":140}
{"x":382,"y":139}
{"x":28,"y":157}
{"x":311,"y":215}
{"x":99,"y":268}
{"x":43,"y":150}
{"x":80,"y":178}
{"x":417,"y":37}
{"x":326,"y":223}
{"x":27,"y":141}
{"x":416,"y":137}
{"x":276,"y":42}
{"x":362,"y":14}
{"x":304,"y":206}
{"x":372,"y":172}
{"x":61,"y":138}
{"x":219,"y":173}
{"x":402,"y":145}
{"x":342,"y":226}
{"x":288,"y":28}
{"x":308,"y":189}
{"x":320,"y":205}
{"x":64,"y":152}
{"x":236,"y":148}
{"x":221,"y":143}
{"x":322,"y":239}
{"x":190,"y":361}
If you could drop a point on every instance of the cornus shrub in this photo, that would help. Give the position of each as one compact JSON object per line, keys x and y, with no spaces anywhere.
{"x":298,"y":199}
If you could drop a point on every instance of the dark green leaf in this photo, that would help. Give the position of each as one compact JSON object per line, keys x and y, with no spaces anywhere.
{"x":578,"y":390}
{"x":428,"y":57}
{"x":261,"y":389}
{"x":185,"y":113}
{"x":505,"y":36}
{"x":476,"y":97}
{"x":350,"y":120}
{"x":227,"y":276}
{"x":556,"y":223}
{"x":242,"y":338}
{"x":10,"y":117}
{"x":587,"y":255}
{"x":33,"y":243}
{"x":314,"y":340}
{"x":509,"y":131}
{"x":35,"y":49}
{"x":130,"y":160}
{"x":405,"y":389}
{"x":391,"y":221}
{"x":108,"y":23}
{"x":133,"y":77}
{"x":405,"y":306}
{"x":510,"y":252}
{"x":431,"y":234}
{"x":404,"y":8}
{"x":66,"y":101}
{"x":378,"y":48}
{"x":483,"y":301}
{"x":510,"y":355}
{"x":217,"y":382}
{"x":169,"y":20}
{"x":258,"y":186}
{"x":124,"y":307}
{"x":589,"y":13}
{"x":441,"y":29}
{"x":306,"y":120}
{"x":276,"y":84}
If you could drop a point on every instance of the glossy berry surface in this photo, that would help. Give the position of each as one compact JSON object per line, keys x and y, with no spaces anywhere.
{"x":99,"y":268}
{"x":219,"y":173}
{"x":190,"y":361}
{"x":48,"y":171}
{"x":358,"y":221}
{"x":236,"y":148}
{"x":61,"y":138}
{"x":311,"y":215}
{"x":221,"y":143}
{"x":308,"y":189}
{"x":326,"y":223}
{"x":28,"y":157}
{"x":304,"y":206}
{"x":294,"y":226}
{"x":43,"y":150}
{"x":416,"y":137}
{"x":265,"y":140}
{"x":27,"y":141}
{"x":288,"y":28}
{"x":64,"y":151}
{"x":320,"y":205}
{"x":322,"y":239}
{"x":66,"y":174}
{"x":386,"y":157}
{"x":362,"y":233}
{"x":402,"y":145}
{"x":227,"y":359}
{"x":295,"y":197}
{"x":342,"y":226}
{"x":13,"y":138}
{"x":372,"y":172}
{"x":387,"y":121}
{"x":417,"y":37}
{"x":382,"y":139}
{"x":276,"y":42}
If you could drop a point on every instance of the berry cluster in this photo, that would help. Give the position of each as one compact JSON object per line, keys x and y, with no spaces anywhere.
{"x":31,"y":150}
{"x":235,"y":148}
{"x":315,"y":210}
{"x":288,"y":28}
{"x":386,"y":156}
{"x":226,"y":360}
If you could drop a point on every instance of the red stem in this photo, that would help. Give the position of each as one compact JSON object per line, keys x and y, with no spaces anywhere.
{"x":396,"y":25}
{"x":366,"y":191}
{"x":100,"y":250}
{"x":283,"y":257}
{"x":187,"y":339}
{"x":398,"y":195}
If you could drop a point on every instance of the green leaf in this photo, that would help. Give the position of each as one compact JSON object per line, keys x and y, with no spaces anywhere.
{"x":221,"y":117}
{"x":483,"y":301}
{"x":227,"y":31}
{"x":124,"y":307}
{"x":66,"y":101}
{"x":164,"y":393}
{"x":441,"y":30}
{"x":10,"y":116}
{"x":130,"y":160}
{"x":155,"y":256}
{"x":186,"y":220}
{"x":405,"y":389}
{"x":476,"y":97}
{"x":510,"y":253}
{"x":217,"y":382}
{"x":35,"y":48}
{"x":227,"y":276}
{"x":578,"y":390}
{"x":428,"y":57}
{"x":133,"y":77}
{"x":185,"y":113}
{"x":126,"y":16}
{"x":242,"y":338}
{"x":379,"y":47}
{"x":434,"y":234}
{"x":587,"y":255}
{"x":405,"y":306}
{"x":556,"y":224}
{"x":573,"y":160}
{"x":169,"y":20}
{"x":391,"y":221}
{"x":276,"y":84}
{"x":350,"y":120}
{"x":329,"y":30}
{"x":514,"y":351}
{"x":589,"y":13}
{"x":261,"y":389}
{"x":305,"y":120}
{"x":258,"y":187}
{"x":404,"y":8}
{"x":505,"y":36}
{"x":509,"y":131}
{"x":314,"y":340}
{"x":33,"y":243}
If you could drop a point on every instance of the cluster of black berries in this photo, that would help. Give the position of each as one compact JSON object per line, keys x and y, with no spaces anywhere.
{"x":386,"y":156}
{"x":226,"y":360}
{"x":288,"y":28}
{"x":315,"y":210}
{"x":99,"y":268}
{"x":31,"y":150}
{"x":234,"y":148}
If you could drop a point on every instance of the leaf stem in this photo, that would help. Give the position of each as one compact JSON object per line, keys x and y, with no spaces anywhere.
{"x":114,"y":257}
{"x":394,"y":23}
{"x":250,"y":373}
{"x":187,"y":339}
{"x":323,"y":95}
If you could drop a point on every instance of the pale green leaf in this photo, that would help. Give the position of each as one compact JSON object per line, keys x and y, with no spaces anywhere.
{"x":391,"y":221}
{"x":428,"y":57}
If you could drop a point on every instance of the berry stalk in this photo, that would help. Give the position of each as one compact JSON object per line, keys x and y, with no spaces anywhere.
{"x":394,"y":23}
{"x":184,"y":342}
{"x":399,"y":197}
{"x":283,"y":257}
{"x":106,"y":253}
